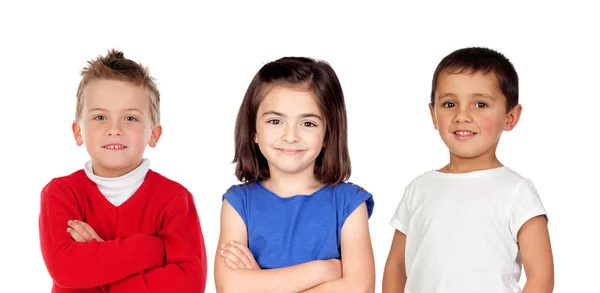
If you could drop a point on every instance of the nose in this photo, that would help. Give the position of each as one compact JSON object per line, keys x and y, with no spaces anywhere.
{"x":290,"y":134}
{"x":463,"y":114}
{"x":114,"y":128}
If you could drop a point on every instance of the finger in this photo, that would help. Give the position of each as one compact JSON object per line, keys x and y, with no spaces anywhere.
{"x":231,"y":264}
{"x":75,"y":224}
{"x":75,"y":235}
{"x":240,"y":255}
{"x":240,"y":252}
{"x":90,"y":230}
{"x":246,"y":252}
{"x":232,"y":257}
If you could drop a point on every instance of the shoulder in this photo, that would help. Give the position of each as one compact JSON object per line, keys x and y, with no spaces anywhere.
{"x":349,"y":196}
{"x":65,"y":184}
{"x":411,"y":190}
{"x":508,"y":181}
{"x":237,"y":197}
{"x":348,"y":191}
{"x":508,"y":174}
{"x":163,"y":186}
{"x":520,"y":184}
{"x":163,"y":181}
{"x":167,"y":195}
{"x":348,"y":187}
{"x":424,"y":178}
{"x":238,"y":193}
{"x":241,"y":189}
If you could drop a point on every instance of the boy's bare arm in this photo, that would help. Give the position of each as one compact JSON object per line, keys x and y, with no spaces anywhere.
{"x":74,"y":264}
{"x":536,"y":252}
{"x":394,"y":275}
{"x":290,"y":279}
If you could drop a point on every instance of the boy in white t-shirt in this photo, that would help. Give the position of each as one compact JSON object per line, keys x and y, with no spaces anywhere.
{"x":470,"y":226}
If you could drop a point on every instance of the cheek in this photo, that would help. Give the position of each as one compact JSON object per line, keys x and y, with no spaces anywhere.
{"x":443,"y":121}
{"x":139,"y":133}
{"x":90,"y":132}
{"x":316,"y":138}
{"x":267,"y":134}
{"x":490,"y":124}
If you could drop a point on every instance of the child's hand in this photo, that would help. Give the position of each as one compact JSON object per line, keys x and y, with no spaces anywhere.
{"x":82,"y":232}
{"x":332,"y":269}
{"x":238,"y":257}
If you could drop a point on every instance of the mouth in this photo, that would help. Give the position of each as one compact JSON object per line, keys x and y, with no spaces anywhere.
{"x":464,"y":134}
{"x":289,"y":151}
{"x":114,"y":146}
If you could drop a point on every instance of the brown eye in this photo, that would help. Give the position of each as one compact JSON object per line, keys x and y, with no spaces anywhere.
{"x":99,"y":117}
{"x":481,"y":105}
{"x":308,"y":124}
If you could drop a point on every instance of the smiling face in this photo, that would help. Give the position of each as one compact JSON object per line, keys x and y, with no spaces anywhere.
{"x":115,"y":126}
{"x":470,"y":114}
{"x":290,"y":130}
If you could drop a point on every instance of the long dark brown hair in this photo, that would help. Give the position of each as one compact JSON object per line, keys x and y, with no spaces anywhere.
{"x":333,"y":163}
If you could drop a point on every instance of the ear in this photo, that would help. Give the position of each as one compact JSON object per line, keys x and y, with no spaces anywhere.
{"x":433,"y":118}
{"x":512,"y":117}
{"x":155,"y":135}
{"x":254,"y":138}
{"x":77,"y":133}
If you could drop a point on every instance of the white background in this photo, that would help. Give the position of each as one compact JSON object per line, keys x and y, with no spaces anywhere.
{"x":204,"y":56}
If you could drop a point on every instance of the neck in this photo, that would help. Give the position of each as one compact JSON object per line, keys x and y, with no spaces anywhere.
{"x":484,"y":161}
{"x":290,"y":184}
{"x":101,"y":171}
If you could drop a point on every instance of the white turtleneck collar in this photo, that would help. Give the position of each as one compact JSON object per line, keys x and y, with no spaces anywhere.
{"x":120,"y":189}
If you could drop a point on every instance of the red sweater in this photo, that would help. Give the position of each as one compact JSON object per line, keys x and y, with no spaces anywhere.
{"x":152,"y":242}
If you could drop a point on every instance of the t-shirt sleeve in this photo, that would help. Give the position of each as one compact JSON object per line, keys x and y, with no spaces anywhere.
{"x":401,"y":219}
{"x":526,"y":204}
{"x":354,"y":197}
{"x":237,"y":198}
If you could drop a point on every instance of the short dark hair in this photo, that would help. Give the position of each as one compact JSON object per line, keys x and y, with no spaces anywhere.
{"x":333,"y":163}
{"x":483,"y":60}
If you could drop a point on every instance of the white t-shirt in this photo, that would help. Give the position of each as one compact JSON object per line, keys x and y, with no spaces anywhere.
{"x":461,"y":230}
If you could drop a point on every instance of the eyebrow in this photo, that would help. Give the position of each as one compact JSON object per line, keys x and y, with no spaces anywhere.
{"x":478,"y":95}
{"x":307,"y":115}
{"x":446,"y":95}
{"x":126,"y":110}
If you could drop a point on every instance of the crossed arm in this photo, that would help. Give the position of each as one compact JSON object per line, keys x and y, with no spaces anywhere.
{"x":536,"y":252}
{"x":237,"y":271}
{"x":76,"y":257}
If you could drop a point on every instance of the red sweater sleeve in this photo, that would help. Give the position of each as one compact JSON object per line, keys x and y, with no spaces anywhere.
{"x":185,"y":269}
{"x":88,"y":264}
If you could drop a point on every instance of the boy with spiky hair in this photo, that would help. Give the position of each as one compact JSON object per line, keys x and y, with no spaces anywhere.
{"x":116,"y":225}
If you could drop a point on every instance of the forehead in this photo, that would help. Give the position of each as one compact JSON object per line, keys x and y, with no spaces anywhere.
{"x":460,"y":84}
{"x":114,"y":94}
{"x":290,"y":100}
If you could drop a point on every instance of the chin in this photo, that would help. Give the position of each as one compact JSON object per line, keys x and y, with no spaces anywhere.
{"x":468,"y":154}
{"x":291,"y":169}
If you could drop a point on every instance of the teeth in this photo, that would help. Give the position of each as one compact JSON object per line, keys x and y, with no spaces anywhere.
{"x":114,"y":147}
{"x":463,"y":132}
